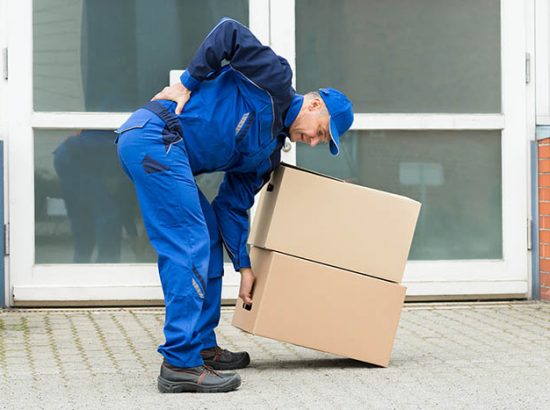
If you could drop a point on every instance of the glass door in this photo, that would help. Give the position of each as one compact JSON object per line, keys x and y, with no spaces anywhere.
{"x":440,"y":96}
{"x":78,"y":69}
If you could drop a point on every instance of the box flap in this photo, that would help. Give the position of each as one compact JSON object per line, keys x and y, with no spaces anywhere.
{"x":309,"y":171}
{"x":284,"y":164}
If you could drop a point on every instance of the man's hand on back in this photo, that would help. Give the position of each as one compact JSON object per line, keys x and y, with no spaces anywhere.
{"x":247,"y":282}
{"x":177,"y":93}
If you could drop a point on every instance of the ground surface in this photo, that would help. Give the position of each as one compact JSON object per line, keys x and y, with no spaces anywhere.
{"x":487,"y":355}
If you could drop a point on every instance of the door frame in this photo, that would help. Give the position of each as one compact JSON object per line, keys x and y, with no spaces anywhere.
{"x":4,"y":278}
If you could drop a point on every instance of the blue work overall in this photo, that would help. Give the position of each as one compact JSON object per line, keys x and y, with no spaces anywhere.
{"x":234,"y":122}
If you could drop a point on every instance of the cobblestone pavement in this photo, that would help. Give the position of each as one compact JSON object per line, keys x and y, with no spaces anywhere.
{"x":486,"y":355}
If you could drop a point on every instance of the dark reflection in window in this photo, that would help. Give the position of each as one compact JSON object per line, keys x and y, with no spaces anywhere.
{"x":105,"y":55}
{"x":401,"y":55}
{"x":86,"y":209}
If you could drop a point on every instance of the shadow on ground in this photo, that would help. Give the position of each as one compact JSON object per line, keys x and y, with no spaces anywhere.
{"x":312,"y":363}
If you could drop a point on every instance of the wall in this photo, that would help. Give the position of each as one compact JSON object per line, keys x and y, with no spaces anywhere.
{"x":544,"y":217}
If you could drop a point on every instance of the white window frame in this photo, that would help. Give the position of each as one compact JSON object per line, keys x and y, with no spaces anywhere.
{"x":459,"y":278}
{"x":100,"y":283}
{"x":4,"y":123}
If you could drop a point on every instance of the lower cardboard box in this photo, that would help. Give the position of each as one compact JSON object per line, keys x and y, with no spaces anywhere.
{"x":321,"y":307}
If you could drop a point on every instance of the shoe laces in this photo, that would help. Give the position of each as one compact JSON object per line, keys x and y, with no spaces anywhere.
{"x":209,"y":369}
{"x":218,"y":352}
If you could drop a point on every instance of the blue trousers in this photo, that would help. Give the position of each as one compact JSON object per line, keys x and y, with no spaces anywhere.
{"x":183,"y":229}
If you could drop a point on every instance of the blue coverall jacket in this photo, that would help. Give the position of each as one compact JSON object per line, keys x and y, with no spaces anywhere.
{"x":233,"y":122}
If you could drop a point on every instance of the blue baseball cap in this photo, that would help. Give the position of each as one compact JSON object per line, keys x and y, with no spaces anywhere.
{"x":340,"y":109}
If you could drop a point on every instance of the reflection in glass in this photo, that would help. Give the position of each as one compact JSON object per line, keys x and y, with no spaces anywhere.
{"x":97,"y":197}
{"x":402,"y":56}
{"x":455,"y":174}
{"x":104,"y":55}
{"x":85,"y":206}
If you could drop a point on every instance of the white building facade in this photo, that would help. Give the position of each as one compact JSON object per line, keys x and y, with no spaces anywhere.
{"x":447,"y":94}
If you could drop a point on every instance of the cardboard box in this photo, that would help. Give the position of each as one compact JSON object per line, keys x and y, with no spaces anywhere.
{"x":321,"y":307}
{"x":327,"y":220}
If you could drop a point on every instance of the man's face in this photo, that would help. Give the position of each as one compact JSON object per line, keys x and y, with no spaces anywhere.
{"x":311,"y":126}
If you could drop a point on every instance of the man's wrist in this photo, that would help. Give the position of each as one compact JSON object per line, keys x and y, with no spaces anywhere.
{"x":184,"y":89}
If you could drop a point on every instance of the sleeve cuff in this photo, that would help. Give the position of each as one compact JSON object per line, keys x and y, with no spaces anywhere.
{"x":190,"y":82}
{"x":243,"y":262}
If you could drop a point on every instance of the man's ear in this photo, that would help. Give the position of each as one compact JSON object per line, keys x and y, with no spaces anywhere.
{"x":314,"y":104}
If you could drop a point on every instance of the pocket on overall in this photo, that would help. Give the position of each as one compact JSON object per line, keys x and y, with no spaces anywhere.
{"x":254,"y":131}
{"x":131,"y":123}
{"x":243,"y":126}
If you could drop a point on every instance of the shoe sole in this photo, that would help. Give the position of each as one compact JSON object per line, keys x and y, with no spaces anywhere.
{"x":241,"y":364}
{"x":166,"y":386}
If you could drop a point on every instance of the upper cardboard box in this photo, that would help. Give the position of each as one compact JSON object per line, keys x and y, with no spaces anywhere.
{"x":312,"y":216}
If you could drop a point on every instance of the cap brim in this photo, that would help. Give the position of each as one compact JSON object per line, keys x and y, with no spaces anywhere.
{"x":334,"y":139}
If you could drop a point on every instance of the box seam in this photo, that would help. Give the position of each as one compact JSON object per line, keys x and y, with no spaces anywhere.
{"x":333,"y":266}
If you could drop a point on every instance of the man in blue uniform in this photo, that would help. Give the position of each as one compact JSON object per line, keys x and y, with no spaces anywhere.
{"x":232,"y":118}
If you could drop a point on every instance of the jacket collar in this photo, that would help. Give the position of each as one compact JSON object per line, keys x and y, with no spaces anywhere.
{"x":294,"y":109}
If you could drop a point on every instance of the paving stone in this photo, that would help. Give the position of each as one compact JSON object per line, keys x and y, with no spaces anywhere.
{"x":446,"y":356}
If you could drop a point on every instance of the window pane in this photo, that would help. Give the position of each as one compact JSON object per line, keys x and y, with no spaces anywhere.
{"x":455,"y":174}
{"x":85,"y":206}
{"x":402,"y":56}
{"x":104,"y":55}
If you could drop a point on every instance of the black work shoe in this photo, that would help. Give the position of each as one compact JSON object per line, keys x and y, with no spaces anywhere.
{"x":200,"y":379}
{"x":221,"y":359}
